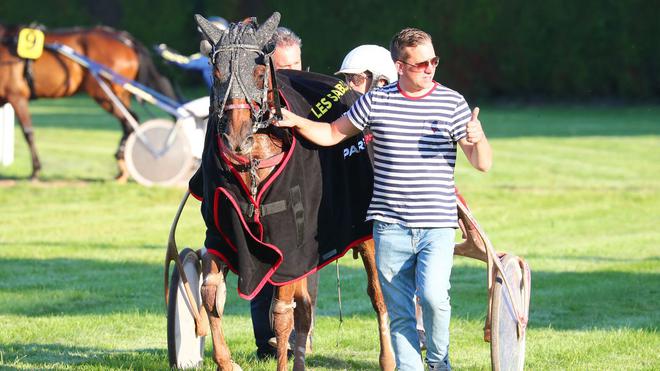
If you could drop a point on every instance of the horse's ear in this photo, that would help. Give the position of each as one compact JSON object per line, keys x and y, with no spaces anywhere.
{"x":266,"y":30}
{"x":209,"y":30}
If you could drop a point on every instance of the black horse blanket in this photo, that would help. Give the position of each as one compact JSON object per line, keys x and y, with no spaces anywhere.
{"x":311,"y":209}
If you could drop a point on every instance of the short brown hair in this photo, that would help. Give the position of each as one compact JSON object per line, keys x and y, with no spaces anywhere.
{"x":406,"y":38}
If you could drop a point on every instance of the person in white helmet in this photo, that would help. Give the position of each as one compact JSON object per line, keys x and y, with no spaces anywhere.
{"x":367,"y":67}
{"x":197,"y":61}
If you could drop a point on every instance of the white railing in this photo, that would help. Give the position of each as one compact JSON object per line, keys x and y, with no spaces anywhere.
{"x":6,"y":134}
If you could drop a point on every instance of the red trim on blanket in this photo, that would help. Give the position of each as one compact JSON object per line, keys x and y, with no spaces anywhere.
{"x":247,"y":229}
{"x":199,"y":198}
{"x":269,"y":182}
{"x":277,"y":173}
{"x":286,"y":102}
{"x":223,"y":258}
{"x":237,"y":175}
{"x":318,"y":267}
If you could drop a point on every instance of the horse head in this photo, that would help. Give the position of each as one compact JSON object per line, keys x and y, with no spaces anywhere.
{"x":241,"y":59}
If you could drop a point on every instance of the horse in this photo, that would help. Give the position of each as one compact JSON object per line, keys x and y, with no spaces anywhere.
{"x":244,"y":154}
{"x":55,"y":76}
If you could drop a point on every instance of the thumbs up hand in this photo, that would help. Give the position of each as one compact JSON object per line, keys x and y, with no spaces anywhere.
{"x":474,"y":131}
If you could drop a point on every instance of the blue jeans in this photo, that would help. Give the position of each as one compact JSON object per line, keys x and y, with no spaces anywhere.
{"x":409,"y":261}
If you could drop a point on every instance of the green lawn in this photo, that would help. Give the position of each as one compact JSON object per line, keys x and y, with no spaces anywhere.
{"x":574,"y":190}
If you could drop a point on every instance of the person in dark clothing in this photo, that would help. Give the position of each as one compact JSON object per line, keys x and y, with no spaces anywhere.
{"x":287,"y":55}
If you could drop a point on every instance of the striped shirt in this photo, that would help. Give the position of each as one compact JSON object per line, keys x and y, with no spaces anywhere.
{"x":414,"y":143}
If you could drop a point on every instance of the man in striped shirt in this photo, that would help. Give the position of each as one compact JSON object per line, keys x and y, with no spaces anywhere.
{"x":416,"y":124}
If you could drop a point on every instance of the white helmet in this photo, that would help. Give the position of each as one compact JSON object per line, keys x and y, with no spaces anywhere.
{"x":372,"y":58}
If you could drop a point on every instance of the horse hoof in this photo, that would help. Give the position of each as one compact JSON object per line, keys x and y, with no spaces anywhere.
{"x":234,"y":367}
{"x":34,"y":177}
{"x":121,"y":178}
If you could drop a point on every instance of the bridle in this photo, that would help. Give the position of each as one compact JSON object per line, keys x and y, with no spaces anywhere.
{"x":259,"y":108}
{"x":258,"y":104}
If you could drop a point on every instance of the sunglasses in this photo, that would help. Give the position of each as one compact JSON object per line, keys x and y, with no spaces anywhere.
{"x":422,"y":66}
{"x":356,"y":78}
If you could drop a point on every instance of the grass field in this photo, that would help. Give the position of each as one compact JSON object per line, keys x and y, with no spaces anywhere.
{"x":574,"y":190}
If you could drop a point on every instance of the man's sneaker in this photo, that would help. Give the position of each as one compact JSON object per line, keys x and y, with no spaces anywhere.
{"x":273,"y":343}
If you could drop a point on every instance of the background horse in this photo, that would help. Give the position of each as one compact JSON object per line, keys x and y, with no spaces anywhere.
{"x":244,"y":157}
{"x":54,"y":76}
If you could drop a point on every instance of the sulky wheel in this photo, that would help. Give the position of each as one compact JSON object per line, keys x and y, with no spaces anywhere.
{"x":159,"y":153}
{"x":507,"y":345}
{"x":184,"y":348}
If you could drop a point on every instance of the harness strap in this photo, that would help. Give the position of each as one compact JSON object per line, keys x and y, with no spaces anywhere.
{"x":29,"y":77}
{"x":295,"y":194}
{"x":229,"y":107}
{"x":275,"y":207}
{"x":276,"y":92}
{"x":271,"y":161}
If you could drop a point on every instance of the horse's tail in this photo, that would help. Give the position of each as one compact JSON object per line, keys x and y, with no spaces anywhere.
{"x":149,"y":75}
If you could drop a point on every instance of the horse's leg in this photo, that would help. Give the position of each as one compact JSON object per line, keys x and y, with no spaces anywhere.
{"x":214,"y":294}
{"x":122,"y":175}
{"x":313,"y":289}
{"x":20,"y":105}
{"x":127,"y":129}
{"x":368,"y":254}
{"x":302,"y":321}
{"x":282,"y":311}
